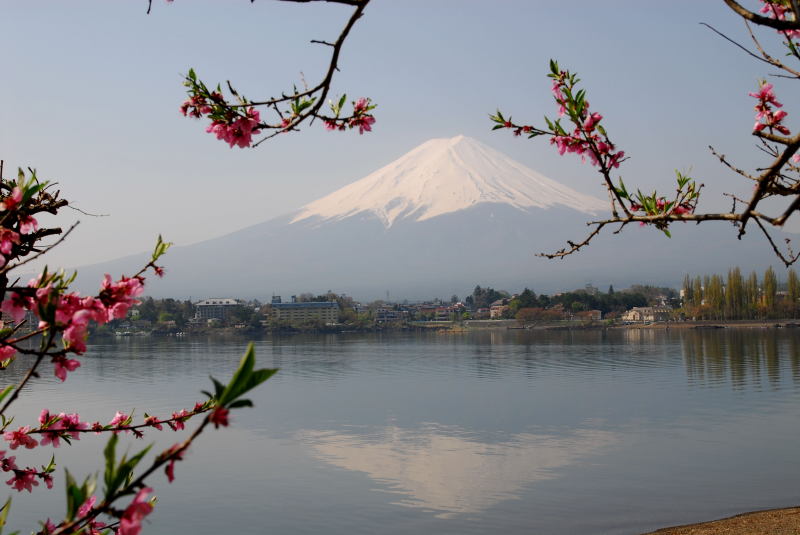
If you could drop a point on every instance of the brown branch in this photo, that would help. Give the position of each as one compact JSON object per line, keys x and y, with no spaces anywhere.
{"x":324,"y":85}
{"x":766,"y":179}
{"x":774,"y":138}
{"x":761,"y":20}
{"x":792,"y":207}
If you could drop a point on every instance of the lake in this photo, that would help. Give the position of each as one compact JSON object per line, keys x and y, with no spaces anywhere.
{"x":547,"y":432}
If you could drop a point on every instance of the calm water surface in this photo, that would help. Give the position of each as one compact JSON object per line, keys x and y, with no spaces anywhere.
{"x":614,"y":432}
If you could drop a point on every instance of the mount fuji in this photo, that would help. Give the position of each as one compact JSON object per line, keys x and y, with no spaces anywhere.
{"x":448,"y":215}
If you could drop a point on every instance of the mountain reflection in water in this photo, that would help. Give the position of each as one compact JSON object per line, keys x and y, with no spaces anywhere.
{"x":446,"y":470}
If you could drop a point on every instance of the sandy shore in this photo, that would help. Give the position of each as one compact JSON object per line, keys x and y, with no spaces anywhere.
{"x":772,"y":522}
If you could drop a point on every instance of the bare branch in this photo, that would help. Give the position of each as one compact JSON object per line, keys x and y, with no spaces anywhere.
{"x":769,"y":59}
{"x":574,"y":247}
{"x":346,"y":2}
{"x":787,"y":261}
{"x":735,"y":43}
{"x":730,"y":166}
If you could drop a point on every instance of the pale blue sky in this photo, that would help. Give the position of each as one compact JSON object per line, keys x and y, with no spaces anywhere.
{"x":91,"y":93}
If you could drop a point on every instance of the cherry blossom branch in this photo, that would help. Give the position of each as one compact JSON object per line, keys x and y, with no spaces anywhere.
{"x":15,"y":393}
{"x":587,"y":138}
{"x":238,"y":122}
{"x":119,"y":477}
{"x":43,"y":251}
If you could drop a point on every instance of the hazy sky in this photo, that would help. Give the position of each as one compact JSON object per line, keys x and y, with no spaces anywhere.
{"x":91,"y":91}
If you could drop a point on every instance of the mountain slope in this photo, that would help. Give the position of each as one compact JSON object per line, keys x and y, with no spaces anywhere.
{"x":448,"y":215}
{"x":442,"y":176}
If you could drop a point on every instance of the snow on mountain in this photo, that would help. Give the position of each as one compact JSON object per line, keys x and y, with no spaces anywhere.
{"x":450,"y":214}
{"x":442,"y":176}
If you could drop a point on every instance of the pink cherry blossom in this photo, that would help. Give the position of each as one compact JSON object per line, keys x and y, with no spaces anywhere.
{"x":364,"y":123}
{"x":15,"y":306}
{"x":118,"y":420}
{"x":23,"y":480}
{"x":7,"y":464}
{"x":6,"y":352}
{"x":119,"y":296}
{"x":63,"y":365}
{"x":170,"y":468}
{"x":19,"y":438}
{"x":153,"y":421}
{"x":12,"y":201}
{"x":28,"y":225}
{"x":238,"y":132}
{"x":766,"y":117}
{"x":7,"y":240}
{"x":219,"y":417}
{"x":87,"y":506}
{"x":179,"y":419}
{"x":130,"y":523}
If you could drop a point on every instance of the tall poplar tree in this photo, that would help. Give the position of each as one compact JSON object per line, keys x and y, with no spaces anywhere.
{"x":793,"y":289}
{"x":770,"y":286}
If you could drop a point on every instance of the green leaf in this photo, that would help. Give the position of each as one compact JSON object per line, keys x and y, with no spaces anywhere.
{"x":240,"y":403}
{"x":111,"y":464}
{"x":160,"y":248}
{"x":245,"y":378}
{"x":4,"y":513}
{"x":666,"y":232}
{"x":75,"y":497}
{"x":6,"y":391}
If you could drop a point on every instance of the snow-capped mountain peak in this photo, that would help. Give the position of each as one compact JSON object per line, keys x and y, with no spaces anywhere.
{"x":442,"y":176}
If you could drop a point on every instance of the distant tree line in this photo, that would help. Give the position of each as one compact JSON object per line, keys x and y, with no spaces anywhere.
{"x":575,"y":301}
{"x":162,"y":310}
{"x":735,"y":297}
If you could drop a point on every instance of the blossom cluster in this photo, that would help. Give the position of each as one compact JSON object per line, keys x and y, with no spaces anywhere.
{"x":587,"y":138}
{"x":361,"y":118}
{"x":766,"y":117}
{"x":130,"y":520}
{"x":237,"y":130}
{"x":55,"y":427}
{"x":68,"y":313}
{"x":228,"y":123}
{"x":25,"y":478}
{"x":781,"y":11}
{"x":26,"y":224}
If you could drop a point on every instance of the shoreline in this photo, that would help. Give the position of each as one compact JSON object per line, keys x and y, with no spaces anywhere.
{"x":784,"y":521}
{"x":472,"y":326}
